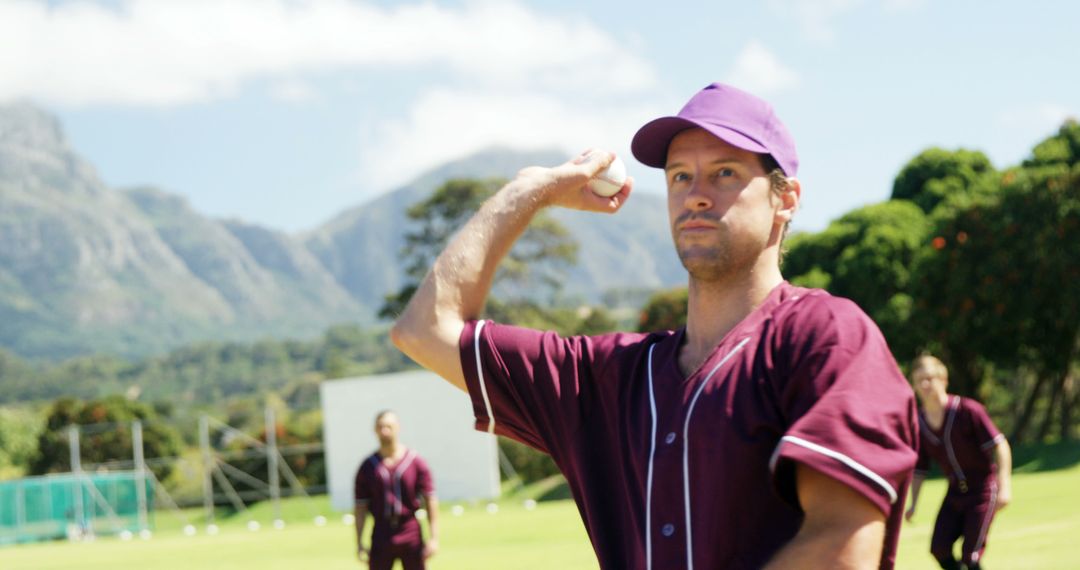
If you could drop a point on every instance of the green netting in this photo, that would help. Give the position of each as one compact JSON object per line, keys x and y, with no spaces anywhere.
{"x":58,"y":506}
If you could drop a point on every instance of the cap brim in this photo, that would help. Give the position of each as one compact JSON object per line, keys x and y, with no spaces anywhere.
{"x":650,"y":144}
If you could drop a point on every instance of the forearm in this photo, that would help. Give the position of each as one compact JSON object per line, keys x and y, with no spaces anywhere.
{"x":457,"y":286}
{"x":1003,"y":457}
{"x":360,"y":513}
{"x":916,"y":486}
{"x":433,"y":517}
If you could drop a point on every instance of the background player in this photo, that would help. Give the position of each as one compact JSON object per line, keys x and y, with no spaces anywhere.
{"x":974,"y":455}
{"x":774,"y":428}
{"x":389,"y":486}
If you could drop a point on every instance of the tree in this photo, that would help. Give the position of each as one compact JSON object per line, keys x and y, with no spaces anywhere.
{"x":105,"y":435}
{"x":866,"y":256}
{"x":535,"y":263}
{"x":937,"y":175}
{"x":665,"y":310}
{"x":990,"y":287}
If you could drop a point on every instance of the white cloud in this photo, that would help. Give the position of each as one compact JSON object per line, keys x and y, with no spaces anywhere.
{"x":293,"y":91}
{"x":816,"y":18}
{"x":167,"y":52}
{"x":446,"y":124}
{"x":757,"y":70}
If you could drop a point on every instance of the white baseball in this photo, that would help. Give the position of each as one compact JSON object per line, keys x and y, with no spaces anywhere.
{"x":610,"y":181}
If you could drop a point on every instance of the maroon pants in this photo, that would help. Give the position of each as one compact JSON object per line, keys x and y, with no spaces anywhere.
{"x":967,"y":515}
{"x":383,"y":556}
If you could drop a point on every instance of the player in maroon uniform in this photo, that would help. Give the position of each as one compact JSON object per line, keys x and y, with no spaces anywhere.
{"x":974,"y":455}
{"x":773,"y":429}
{"x":389,"y":485}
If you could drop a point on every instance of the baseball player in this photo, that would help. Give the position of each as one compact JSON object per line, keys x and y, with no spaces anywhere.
{"x":958,"y":434}
{"x":389,"y":485}
{"x":773,"y":430}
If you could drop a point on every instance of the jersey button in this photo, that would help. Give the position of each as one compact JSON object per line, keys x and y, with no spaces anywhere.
{"x":670,"y":438}
{"x":668,"y":529}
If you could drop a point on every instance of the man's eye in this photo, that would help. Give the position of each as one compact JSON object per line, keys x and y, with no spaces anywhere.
{"x":725,"y":172}
{"x":680,"y":177}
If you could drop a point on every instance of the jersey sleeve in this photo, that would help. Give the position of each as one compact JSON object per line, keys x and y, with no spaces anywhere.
{"x":850,"y":413}
{"x":362,"y":485}
{"x":532,"y":386}
{"x":986,"y":433}
{"x":425,"y":483}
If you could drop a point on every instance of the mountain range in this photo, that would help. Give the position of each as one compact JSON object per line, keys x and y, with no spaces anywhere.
{"x":85,"y":268}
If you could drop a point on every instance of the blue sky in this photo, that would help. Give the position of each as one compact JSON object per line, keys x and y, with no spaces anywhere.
{"x":285,"y":112}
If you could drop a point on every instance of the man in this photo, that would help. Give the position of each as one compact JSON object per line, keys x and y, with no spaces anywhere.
{"x":774,"y":428}
{"x":958,"y":434}
{"x":389,"y":485}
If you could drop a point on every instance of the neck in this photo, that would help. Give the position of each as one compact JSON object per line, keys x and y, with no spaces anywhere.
{"x":936,"y":402}
{"x":715,"y":307}
{"x":391,"y":449}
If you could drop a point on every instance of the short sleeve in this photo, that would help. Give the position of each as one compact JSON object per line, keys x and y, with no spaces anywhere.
{"x":425,"y":484}
{"x":986,"y":433}
{"x":362,"y":485}
{"x":532,"y":386}
{"x":850,"y":413}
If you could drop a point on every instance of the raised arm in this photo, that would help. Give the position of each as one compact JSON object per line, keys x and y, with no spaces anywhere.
{"x":457,"y":286}
{"x":841,"y":529}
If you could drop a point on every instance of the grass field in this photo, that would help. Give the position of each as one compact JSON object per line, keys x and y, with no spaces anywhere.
{"x":1039,"y":530}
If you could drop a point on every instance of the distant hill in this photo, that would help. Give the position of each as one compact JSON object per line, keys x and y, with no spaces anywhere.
{"x":86,"y":268}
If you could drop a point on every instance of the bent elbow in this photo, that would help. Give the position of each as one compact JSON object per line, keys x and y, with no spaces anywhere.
{"x":400,"y":335}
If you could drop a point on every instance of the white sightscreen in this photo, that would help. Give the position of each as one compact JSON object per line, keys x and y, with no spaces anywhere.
{"x":436,"y":420}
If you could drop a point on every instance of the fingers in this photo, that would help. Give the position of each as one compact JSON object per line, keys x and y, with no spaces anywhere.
{"x":593,"y":161}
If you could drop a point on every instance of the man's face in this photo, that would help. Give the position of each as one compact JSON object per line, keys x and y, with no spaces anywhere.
{"x":720,"y":206}
{"x":386,"y":429}
{"x":929,"y":382}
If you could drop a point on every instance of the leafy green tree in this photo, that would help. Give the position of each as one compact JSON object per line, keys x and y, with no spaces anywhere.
{"x":19,"y":432}
{"x":535,"y":262}
{"x":937,"y":175}
{"x":991,"y":287}
{"x":866,"y":256}
{"x":665,"y":310}
{"x":105,"y":434}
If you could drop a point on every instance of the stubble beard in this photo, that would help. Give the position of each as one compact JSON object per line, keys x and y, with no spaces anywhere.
{"x":720,"y":261}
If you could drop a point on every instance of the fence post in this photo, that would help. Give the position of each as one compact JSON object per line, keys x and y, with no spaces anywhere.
{"x":76,"y":468}
{"x":208,"y":469}
{"x":140,"y":473}
{"x":272,"y":463}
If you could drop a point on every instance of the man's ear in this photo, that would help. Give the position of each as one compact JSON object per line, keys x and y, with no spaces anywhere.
{"x":789,"y":201}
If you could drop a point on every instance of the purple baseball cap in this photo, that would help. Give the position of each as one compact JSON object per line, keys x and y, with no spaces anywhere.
{"x":732,"y":115}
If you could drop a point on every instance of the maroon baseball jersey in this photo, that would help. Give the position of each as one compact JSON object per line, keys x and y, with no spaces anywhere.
{"x":392,"y":493}
{"x":963,"y":445}
{"x":697,"y":472}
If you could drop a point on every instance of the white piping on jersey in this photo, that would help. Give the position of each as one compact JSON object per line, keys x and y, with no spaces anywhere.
{"x":993,"y":442}
{"x":953,"y":406}
{"x":686,"y":451}
{"x":399,"y":471}
{"x":855,"y":465}
{"x":986,"y":523}
{"x":393,"y":480}
{"x":648,"y":484}
{"x":480,"y":376}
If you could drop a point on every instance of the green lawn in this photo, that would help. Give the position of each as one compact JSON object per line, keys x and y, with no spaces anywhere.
{"x":1039,"y":530}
